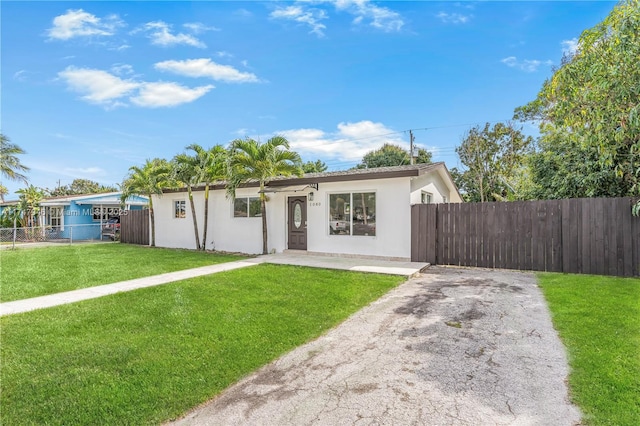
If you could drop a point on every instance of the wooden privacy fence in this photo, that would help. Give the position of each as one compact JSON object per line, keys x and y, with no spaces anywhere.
{"x":134,"y":227}
{"x":583,"y":235}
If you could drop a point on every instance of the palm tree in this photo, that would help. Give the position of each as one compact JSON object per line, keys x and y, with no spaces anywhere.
{"x":147,"y":180}
{"x":211,"y":166}
{"x":250,"y":160}
{"x":185,"y":170}
{"x":10,"y":165}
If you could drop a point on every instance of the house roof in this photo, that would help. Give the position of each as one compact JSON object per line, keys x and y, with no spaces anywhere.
{"x":341,"y":176}
{"x":105,"y":198}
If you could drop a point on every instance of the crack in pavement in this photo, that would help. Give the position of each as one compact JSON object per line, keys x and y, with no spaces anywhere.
{"x":404,"y":360}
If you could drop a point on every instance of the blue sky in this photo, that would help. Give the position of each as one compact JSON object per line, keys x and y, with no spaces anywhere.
{"x":92,"y":88}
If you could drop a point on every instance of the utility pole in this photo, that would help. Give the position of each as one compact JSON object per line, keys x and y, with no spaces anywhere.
{"x":411,"y":147}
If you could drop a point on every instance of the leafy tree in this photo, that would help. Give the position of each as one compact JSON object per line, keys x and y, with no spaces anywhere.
{"x":392,"y":155}
{"x":317,"y":166}
{"x":493,"y":158}
{"x":3,"y":191}
{"x":589,"y":113}
{"x":11,"y":215}
{"x":80,"y":186}
{"x":186,"y":170}
{"x":10,"y":165}
{"x":29,"y":204}
{"x":250,"y":160}
{"x":147,"y":180}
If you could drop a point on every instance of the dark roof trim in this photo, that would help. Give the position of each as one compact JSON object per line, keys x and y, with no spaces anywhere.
{"x":339,"y":176}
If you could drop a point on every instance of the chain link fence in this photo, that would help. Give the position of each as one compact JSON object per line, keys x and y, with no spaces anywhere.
{"x":67,"y":234}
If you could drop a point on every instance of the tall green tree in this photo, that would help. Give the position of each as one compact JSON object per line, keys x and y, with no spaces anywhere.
{"x":10,"y":165}
{"x":317,"y":166}
{"x":493,"y":158}
{"x":29,"y":204}
{"x":186,"y":171}
{"x":250,"y":160}
{"x":392,"y":155}
{"x":148,"y":180}
{"x":589,"y":113}
{"x":80,"y":186}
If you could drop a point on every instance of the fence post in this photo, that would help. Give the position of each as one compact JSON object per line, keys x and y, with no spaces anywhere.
{"x":70,"y":234}
{"x":14,"y":233}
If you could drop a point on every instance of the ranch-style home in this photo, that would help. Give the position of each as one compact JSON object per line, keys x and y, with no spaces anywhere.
{"x":361,"y":212}
{"x":85,"y":214}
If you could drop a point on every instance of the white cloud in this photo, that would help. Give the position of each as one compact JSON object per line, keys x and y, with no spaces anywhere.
{"x":349,"y":143}
{"x":527,"y":65}
{"x":85,"y":171}
{"x":160,"y":34}
{"x":198,"y":27}
{"x":78,"y":23}
{"x":108,"y":90}
{"x":569,"y":47}
{"x":223,"y":54}
{"x":97,"y":86}
{"x":205,"y":67}
{"x":453,"y":18}
{"x":122,"y":69}
{"x":381,"y":18}
{"x":303,"y":15}
{"x":22,"y":75}
{"x":154,"y":95}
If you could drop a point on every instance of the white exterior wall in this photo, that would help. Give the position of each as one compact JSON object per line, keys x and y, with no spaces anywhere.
{"x":177,"y":232}
{"x":394,"y":197}
{"x":393,"y":220}
{"x":434,"y":184}
{"x":225,"y":232}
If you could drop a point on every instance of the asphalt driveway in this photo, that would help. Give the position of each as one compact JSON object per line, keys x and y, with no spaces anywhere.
{"x":449,"y":347}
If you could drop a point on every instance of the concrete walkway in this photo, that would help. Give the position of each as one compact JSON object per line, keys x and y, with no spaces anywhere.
{"x":328,"y":262}
{"x":50,"y":300}
{"x":449,"y":347}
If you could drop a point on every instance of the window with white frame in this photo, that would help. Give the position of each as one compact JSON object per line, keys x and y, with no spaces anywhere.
{"x":179,"y":209}
{"x":352,"y":213}
{"x":426,"y":197}
{"x":54,"y":217}
{"x":247,"y":207}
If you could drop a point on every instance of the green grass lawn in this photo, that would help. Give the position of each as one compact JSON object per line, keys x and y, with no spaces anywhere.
{"x":149,"y":355}
{"x":32,"y":272}
{"x":598,"y":319}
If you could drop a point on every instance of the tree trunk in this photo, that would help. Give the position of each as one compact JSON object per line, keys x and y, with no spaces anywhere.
{"x":153,"y":223}
{"x":206,"y":217}
{"x":193,"y":215}
{"x":263,"y":210}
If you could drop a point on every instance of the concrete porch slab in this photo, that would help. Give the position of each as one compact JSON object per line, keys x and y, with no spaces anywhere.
{"x":360,"y":264}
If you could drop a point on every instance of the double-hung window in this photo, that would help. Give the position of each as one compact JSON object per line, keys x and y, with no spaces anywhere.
{"x":54,"y":217}
{"x":179,"y":209}
{"x":247,"y":207}
{"x":426,"y":198}
{"x":352,"y":213}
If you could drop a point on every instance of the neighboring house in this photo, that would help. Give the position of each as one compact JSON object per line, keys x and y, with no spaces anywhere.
{"x":86,"y":214}
{"x":363,"y":212}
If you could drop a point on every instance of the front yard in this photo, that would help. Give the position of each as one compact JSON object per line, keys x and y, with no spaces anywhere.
{"x":31,"y":272}
{"x":598,"y":319}
{"x":147,"y":356}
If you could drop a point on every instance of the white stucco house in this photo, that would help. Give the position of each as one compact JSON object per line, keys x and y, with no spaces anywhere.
{"x":364,"y":212}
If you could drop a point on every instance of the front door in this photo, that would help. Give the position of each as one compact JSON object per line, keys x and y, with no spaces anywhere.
{"x":297,"y":223}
